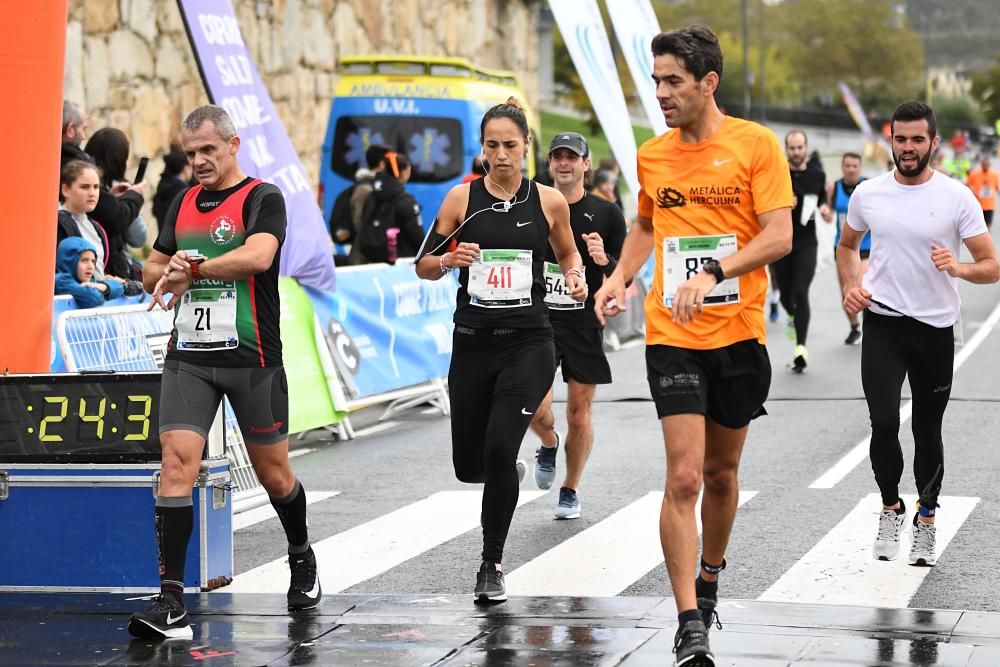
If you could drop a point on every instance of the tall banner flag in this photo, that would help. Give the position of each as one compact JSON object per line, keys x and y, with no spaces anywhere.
{"x":635,"y":27}
{"x":583,"y":31}
{"x":233,"y":82}
{"x":857,"y":111}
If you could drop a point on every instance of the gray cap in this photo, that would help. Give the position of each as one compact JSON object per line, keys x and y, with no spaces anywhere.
{"x":572,"y":141}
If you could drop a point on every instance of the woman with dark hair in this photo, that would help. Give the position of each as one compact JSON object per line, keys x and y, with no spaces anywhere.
{"x":119,"y":203}
{"x":176,"y":177}
{"x":496,"y":231}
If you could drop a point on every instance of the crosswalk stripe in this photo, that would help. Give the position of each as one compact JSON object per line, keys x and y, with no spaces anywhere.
{"x":840,"y":568}
{"x":265,"y":512}
{"x":604,"y":559}
{"x":358,"y":554}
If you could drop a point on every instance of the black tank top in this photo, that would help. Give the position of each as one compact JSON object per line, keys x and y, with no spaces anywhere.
{"x":523,"y":228}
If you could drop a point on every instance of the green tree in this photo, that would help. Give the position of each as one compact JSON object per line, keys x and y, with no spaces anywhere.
{"x":869,"y":44}
{"x":986,"y":90}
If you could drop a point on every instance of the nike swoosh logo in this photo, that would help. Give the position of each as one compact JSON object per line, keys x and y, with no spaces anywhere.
{"x":719,"y":163}
{"x":522,"y":224}
{"x":315,"y":589}
{"x":525,"y":412}
{"x":171,"y":619}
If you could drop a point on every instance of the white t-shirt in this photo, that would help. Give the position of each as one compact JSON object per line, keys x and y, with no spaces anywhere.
{"x":905,"y":220}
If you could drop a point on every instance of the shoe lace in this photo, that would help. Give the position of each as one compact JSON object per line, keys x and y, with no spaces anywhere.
{"x":688,"y":634}
{"x":713,"y":619}
{"x":303,"y":572}
{"x":161,"y":603}
{"x":923,"y":539}
{"x":566,"y":497}
{"x":546,"y":456}
{"x":887,"y":525}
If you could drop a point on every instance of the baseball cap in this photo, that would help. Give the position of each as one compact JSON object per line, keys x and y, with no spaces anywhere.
{"x":572,"y":141}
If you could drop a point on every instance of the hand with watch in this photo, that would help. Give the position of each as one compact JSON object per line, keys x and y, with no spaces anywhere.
{"x":183,"y":268}
{"x":689,"y":300}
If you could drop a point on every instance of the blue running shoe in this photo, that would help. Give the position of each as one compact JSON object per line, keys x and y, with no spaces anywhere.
{"x":569,"y":504}
{"x":545,"y":465}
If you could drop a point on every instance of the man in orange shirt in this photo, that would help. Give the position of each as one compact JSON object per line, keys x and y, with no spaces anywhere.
{"x":715,"y":208}
{"x":984,"y":183}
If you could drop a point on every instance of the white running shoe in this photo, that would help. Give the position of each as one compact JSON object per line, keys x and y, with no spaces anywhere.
{"x":922,"y":549}
{"x":890,"y":525}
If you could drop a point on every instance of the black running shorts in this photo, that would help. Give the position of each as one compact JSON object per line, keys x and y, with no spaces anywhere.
{"x":728,"y":385}
{"x":190,"y":396}
{"x":580,"y":352}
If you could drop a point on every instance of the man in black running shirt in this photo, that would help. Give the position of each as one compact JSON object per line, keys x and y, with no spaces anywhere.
{"x":599,"y":231}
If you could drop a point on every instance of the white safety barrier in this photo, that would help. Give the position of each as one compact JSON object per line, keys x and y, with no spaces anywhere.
{"x":131,"y":338}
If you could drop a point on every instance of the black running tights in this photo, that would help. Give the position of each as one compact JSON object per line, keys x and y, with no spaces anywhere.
{"x":497,"y":379}
{"x":794,"y":273}
{"x":891,"y":349}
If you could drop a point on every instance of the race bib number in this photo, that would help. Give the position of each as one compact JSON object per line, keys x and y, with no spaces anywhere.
{"x":501,"y":279}
{"x":683,"y":257}
{"x":206,"y":319}
{"x":556,"y":291}
{"x":985,"y":192}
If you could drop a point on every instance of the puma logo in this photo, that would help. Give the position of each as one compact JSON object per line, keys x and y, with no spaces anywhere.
{"x":589,"y":216}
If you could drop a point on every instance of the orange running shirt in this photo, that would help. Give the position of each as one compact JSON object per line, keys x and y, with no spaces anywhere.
{"x":984,"y":184}
{"x":713,"y":188}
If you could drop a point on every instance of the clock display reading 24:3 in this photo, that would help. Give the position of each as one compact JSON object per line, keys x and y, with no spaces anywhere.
{"x":72,"y":417}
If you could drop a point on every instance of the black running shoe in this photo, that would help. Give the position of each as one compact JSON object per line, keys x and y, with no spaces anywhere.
{"x":304,"y":591}
{"x":691,"y":646}
{"x":166,"y":619}
{"x":853,"y":338}
{"x":489,"y":584}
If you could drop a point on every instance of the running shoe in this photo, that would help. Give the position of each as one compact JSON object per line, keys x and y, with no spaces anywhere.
{"x":790,"y":328}
{"x":774,"y":312}
{"x":490,"y":584}
{"x":801,"y":359}
{"x":853,"y":338}
{"x":545,"y":464}
{"x":691,"y":646}
{"x":922,"y":549}
{"x":522,"y":469}
{"x":166,"y":619}
{"x":569,"y":504}
{"x":304,"y":591}
{"x":890,"y":526}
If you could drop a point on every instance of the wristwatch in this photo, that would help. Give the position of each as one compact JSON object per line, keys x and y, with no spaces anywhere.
{"x":195,"y":263}
{"x":712,"y":266}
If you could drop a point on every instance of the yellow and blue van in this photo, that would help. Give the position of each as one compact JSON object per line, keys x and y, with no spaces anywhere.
{"x":428,"y":108}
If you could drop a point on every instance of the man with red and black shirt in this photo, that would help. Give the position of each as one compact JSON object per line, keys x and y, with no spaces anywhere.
{"x":217,"y":256}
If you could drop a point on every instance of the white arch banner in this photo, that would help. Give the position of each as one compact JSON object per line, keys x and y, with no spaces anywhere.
{"x":583,"y":31}
{"x":635,"y":26}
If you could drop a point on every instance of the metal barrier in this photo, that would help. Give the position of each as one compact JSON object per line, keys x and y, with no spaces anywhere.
{"x":131,"y":338}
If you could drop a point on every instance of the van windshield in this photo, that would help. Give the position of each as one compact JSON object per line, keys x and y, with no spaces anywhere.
{"x":434,"y":145}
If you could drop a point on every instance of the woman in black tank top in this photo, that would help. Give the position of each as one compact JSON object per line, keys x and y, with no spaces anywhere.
{"x":496,"y":232}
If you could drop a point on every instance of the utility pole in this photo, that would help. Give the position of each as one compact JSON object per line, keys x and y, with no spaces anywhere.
{"x":762,"y":61}
{"x":746,"y":60}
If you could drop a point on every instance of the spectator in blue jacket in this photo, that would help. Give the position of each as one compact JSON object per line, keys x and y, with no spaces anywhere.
{"x":76,"y":260}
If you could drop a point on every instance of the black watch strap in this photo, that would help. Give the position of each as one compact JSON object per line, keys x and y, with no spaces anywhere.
{"x":712,"y":266}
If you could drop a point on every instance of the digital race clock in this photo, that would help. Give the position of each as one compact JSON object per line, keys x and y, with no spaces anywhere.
{"x":88,"y":418}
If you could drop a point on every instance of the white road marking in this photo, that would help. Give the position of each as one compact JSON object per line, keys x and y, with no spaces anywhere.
{"x":375,"y":428}
{"x":840,"y":569}
{"x":859,"y":452}
{"x":265,"y":512}
{"x":301,"y":452}
{"x":374,"y":547}
{"x":604,"y":559}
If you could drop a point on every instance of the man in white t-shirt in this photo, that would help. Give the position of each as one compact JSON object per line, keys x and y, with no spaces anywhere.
{"x":918,"y":220}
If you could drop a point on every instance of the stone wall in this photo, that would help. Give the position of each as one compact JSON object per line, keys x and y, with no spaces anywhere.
{"x":129,"y":63}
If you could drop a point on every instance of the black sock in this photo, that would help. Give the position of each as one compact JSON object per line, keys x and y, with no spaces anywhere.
{"x":174,"y":520}
{"x":292,"y":511}
{"x":689,"y":615}
{"x":706,"y":589}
